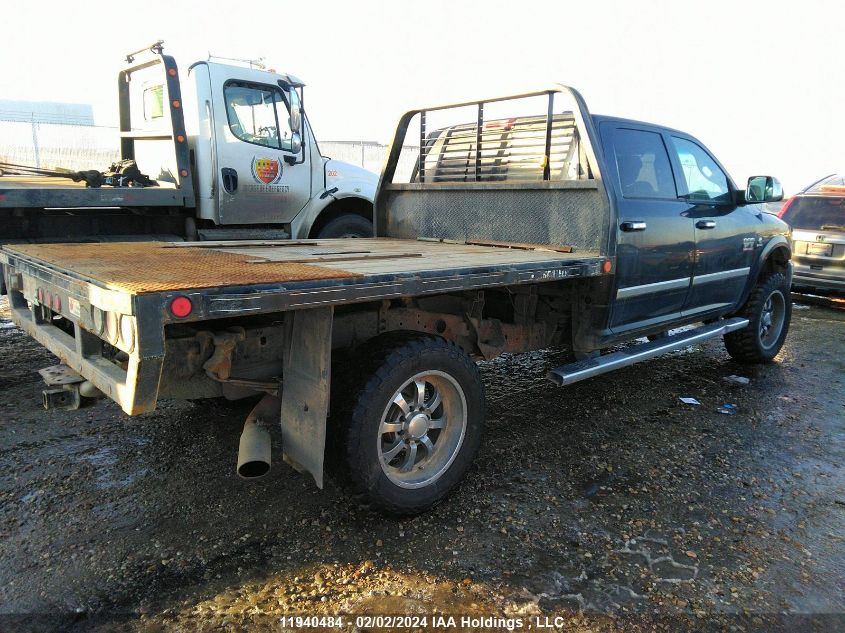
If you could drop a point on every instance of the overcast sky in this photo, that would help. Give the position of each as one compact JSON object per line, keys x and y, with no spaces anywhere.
{"x":761,"y":83}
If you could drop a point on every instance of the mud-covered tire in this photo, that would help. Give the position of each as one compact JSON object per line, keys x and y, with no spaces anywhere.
{"x":347,"y":225}
{"x":769,"y":311}
{"x":371,"y":467}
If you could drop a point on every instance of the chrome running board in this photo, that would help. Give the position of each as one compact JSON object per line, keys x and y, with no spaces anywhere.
{"x":583,"y":369}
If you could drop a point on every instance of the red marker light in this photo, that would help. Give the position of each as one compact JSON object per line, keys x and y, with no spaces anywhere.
{"x":57,"y":304}
{"x":181,"y":307}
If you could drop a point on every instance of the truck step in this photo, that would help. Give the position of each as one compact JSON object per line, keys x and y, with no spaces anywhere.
{"x":242,"y":234}
{"x":580,"y":370}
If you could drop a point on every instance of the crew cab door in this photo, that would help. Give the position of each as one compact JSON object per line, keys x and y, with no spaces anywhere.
{"x":655,"y":240}
{"x":725,"y":235}
{"x":259,"y":179}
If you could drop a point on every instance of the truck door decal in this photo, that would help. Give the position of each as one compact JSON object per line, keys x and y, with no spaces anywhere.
{"x":266,"y":170}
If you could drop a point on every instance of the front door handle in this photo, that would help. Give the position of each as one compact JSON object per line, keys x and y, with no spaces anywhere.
{"x":230,"y":179}
{"x":705,"y":224}
{"x":633,"y":226}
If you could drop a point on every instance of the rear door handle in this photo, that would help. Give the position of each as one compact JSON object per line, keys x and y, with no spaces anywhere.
{"x":633,"y":226}
{"x":705,"y":224}
{"x":230,"y":179}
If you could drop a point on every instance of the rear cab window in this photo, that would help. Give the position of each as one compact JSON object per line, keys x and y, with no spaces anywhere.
{"x":512,"y":150}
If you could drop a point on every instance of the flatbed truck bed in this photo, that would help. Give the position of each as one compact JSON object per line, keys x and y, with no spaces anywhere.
{"x":55,"y":192}
{"x":73,"y":298}
{"x":303,"y":272}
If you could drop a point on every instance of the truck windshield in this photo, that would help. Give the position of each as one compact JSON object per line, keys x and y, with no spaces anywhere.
{"x":814,"y":213}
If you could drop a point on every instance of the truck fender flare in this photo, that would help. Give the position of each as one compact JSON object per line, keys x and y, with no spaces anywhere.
{"x":304,"y":220}
{"x":778,"y":242}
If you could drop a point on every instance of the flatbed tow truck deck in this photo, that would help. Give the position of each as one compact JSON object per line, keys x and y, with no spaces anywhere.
{"x":304,"y":272}
{"x":53,"y":192}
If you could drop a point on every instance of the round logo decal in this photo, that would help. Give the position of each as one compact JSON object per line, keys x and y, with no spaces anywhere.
{"x":266,"y":170}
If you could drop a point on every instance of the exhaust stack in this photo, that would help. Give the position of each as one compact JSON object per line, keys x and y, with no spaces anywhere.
{"x":254,"y":448}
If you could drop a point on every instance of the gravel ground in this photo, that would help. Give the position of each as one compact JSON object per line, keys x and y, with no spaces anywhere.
{"x":609,"y":505}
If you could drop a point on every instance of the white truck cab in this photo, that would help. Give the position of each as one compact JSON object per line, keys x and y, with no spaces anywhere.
{"x":257,"y":161}
{"x":218,"y":152}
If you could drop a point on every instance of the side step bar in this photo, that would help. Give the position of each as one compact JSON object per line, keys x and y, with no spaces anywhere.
{"x":573,"y":372}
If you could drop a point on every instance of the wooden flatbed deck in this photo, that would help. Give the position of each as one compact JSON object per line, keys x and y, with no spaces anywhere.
{"x":238,"y":278}
{"x":148,"y":267}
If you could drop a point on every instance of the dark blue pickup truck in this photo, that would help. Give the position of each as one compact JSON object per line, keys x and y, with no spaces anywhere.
{"x":504,"y":225}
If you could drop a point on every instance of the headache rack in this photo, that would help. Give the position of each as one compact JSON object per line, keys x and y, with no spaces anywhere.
{"x":518,"y":168}
{"x":152,"y":121}
{"x":539,"y":146}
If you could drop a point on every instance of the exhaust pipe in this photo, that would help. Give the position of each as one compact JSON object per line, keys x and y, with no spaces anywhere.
{"x":254,"y":448}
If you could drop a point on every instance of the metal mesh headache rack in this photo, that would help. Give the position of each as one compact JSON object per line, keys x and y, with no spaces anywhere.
{"x":539,"y":145}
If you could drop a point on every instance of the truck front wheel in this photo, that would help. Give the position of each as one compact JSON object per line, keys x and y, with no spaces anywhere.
{"x":347,"y":225}
{"x":768,"y":310}
{"x":415,"y":425}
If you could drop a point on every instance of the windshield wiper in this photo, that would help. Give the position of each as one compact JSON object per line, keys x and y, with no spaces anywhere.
{"x":832,"y":227}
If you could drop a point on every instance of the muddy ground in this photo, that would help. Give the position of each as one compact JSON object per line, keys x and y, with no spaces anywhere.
{"x":606,"y":506}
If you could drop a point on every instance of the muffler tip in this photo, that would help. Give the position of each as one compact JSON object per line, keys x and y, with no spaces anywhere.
{"x":253,"y":470}
{"x":254,"y":451}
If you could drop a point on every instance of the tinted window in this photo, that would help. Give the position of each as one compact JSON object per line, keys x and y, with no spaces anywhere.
{"x":257,"y":114}
{"x":643,"y":165}
{"x":705,"y":181}
{"x":814,"y":212}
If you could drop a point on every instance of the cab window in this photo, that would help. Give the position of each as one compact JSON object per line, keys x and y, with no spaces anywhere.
{"x":257,"y":114}
{"x":704,"y":179}
{"x":643,"y":165}
{"x":153,"y":102}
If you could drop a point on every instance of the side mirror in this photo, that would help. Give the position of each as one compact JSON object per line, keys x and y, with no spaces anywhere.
{"x":295,"y":142}
{"x":763,"y":189}
{"x":295,"y":113}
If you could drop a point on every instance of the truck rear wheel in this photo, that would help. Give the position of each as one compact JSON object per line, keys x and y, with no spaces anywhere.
{"x":347,"y":225}
{"x":415,"y":425}
{"x":769,"y":311}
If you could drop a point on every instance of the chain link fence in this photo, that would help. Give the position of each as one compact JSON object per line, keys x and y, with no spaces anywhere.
{"x":78,"y":147}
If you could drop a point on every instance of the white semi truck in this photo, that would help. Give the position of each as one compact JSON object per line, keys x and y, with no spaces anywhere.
{"x":228,"y":153}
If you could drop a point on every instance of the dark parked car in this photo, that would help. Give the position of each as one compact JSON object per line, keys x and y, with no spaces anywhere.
{"x":817,"y":218}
